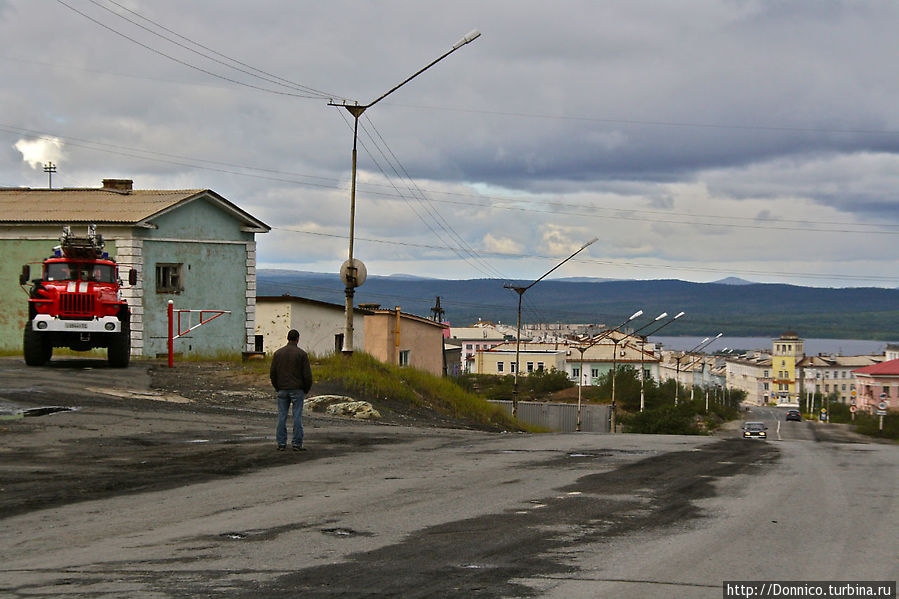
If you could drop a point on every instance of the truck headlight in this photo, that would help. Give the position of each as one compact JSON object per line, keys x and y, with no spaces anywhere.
{"x":109,"y":326}
{"x":42,"y":324}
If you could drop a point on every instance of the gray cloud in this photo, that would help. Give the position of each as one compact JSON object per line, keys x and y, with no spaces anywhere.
{"x":578,"y":109}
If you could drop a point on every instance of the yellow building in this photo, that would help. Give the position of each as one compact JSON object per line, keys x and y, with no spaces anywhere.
{"x":786,"y":352}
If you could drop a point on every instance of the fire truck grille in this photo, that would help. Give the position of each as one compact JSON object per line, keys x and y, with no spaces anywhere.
{"x":76,"y":304}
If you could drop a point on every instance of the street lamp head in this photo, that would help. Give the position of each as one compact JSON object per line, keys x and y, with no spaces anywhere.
{"x":469,"y":37}
{"x":591,"y":242}
{"x":661,"y":316}
{"x":679,"y":314}
{"x":635,"y":315}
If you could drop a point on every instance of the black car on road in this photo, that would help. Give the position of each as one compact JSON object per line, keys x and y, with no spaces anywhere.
{"x":794,"y":415}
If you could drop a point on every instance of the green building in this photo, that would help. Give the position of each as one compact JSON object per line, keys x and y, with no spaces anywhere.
{"x":193,"y":247}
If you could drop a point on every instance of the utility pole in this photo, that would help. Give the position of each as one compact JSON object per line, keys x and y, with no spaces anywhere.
{"x":352,"y":265}
{"x":520,"y":289}
{"x":49,"y":168}
{"x":437,"y":314}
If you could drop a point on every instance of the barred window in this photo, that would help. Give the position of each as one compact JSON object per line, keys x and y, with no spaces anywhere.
{"x":169,"y":278}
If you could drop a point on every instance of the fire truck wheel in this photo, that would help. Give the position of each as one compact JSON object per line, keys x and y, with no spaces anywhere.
{"x":36,"y":347}
{"x":119,"y":350}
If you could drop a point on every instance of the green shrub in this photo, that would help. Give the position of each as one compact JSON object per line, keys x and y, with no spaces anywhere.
{"x":868,"y":424}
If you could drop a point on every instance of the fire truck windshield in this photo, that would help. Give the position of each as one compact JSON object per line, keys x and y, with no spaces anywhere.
{"x":75,"y":271}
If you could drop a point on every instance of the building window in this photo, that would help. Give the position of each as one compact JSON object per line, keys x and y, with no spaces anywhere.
{"x":765,"y":386}
{"x":576,"y":372}
{"x":338,"y":343}
{"x":499,"y":366}
{"x":530,"y":367}
{"x":886,"y":390}
{"x":404,"y":357}
{"x":594,"y":372}
{"x":540,"y":366}
{"x":765,"y":374}
{"x":469,"y":346}
{"x":169,"y":279}
{"x":512,"y":367}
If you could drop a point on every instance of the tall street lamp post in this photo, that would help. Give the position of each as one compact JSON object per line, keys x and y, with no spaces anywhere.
{"x":642,"y":356}
{"x":701,"y":345}
{"x":520,"y":289}
{"x":583,"y":348}
{"x":615,"y":343}
{"x":352,"y":271}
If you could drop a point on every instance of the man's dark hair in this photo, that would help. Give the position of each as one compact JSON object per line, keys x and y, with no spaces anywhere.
{"x":293,"y":335}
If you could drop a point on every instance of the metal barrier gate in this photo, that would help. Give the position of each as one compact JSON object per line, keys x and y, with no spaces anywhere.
{"x":561,"y":417}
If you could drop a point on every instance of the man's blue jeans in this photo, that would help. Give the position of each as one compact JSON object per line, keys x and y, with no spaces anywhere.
{"x":290,"y":399}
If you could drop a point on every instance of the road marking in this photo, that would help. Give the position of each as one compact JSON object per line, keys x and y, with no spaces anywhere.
{"x":778,"y":431}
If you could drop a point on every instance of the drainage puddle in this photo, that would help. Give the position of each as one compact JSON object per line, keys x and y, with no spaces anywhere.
{"x":33,"y":412}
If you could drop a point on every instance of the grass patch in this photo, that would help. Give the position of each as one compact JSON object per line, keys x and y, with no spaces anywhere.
{"x":403,"y":390}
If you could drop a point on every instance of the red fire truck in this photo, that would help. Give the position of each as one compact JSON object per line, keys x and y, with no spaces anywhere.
{"x":77,"y":302}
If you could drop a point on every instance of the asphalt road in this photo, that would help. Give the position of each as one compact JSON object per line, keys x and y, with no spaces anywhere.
{"x":207,"y":508}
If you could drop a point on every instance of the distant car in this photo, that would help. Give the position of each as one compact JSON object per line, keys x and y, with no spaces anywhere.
{"x":755,"y":429}
{"x":794,"y":415}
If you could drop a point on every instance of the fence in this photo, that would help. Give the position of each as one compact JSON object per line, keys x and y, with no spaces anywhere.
{"x":561,"y":417}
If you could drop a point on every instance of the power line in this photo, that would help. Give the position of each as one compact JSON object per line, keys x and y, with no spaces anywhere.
{"x":265,"y":75}
{"x":185,"y":63}
{"x":649,"y":123}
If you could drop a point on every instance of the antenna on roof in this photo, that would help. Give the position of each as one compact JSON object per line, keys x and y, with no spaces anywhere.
{"x":50,"y":168}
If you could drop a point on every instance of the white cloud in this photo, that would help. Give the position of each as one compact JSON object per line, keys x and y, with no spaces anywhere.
{"x":38,"y":152}
{"x":501,"y":245}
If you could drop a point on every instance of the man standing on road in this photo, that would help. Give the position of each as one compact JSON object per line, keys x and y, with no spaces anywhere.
{"x":291,"y":376}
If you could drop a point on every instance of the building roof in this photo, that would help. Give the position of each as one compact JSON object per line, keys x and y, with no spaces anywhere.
{"x":890,"y":368}
{"x":406,"y":315}
{"x":292,"y":299}
{"x":838,"y":361}
{"x":107,"y":205}
{"x":476,"y":333}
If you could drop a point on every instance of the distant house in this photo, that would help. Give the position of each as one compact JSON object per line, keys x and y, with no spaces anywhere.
{"x":395,"y":337}
{"x":751,"y":373}
{"x":878,"y":383}
{"x":474,"y":339}
{"x":321,"y":324}
{"x":587,"y":367}
{"x":829,"y":375}
{"x":190,"y":246}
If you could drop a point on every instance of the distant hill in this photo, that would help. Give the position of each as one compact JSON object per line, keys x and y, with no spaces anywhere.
{"x":746,"y":309}
{"x":733,"y":281}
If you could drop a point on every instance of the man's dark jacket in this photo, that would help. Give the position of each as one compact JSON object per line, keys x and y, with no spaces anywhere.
{"x":291,"y":369}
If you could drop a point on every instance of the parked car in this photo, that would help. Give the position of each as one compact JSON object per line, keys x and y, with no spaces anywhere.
{"x":755,"y":429}
{"x":794,"y":415}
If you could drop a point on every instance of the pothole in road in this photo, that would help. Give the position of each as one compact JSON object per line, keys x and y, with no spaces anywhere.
{"x":345,"y":532}
{"x":45,"y":410}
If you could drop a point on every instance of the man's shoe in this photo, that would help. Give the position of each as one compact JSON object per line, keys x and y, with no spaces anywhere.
{"x":282,"y":447}
{"x":299,"y":448}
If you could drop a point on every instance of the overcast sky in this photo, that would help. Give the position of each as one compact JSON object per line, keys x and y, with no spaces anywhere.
{"x":695,"y":139}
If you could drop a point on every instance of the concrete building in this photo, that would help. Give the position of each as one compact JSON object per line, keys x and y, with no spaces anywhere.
{"x":787,"y":352}
{"x":190,"y":246}
{"x":394,"y":337}
{"x":597,"y":360}
{"x":878,"y":383}
{"x":500,"y":359}
{"x":892,"y":352}
{"x":474,"y":339}
{"x":751,"y":373}
{"x":828,"y":375}
{"x":321,"y":324}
